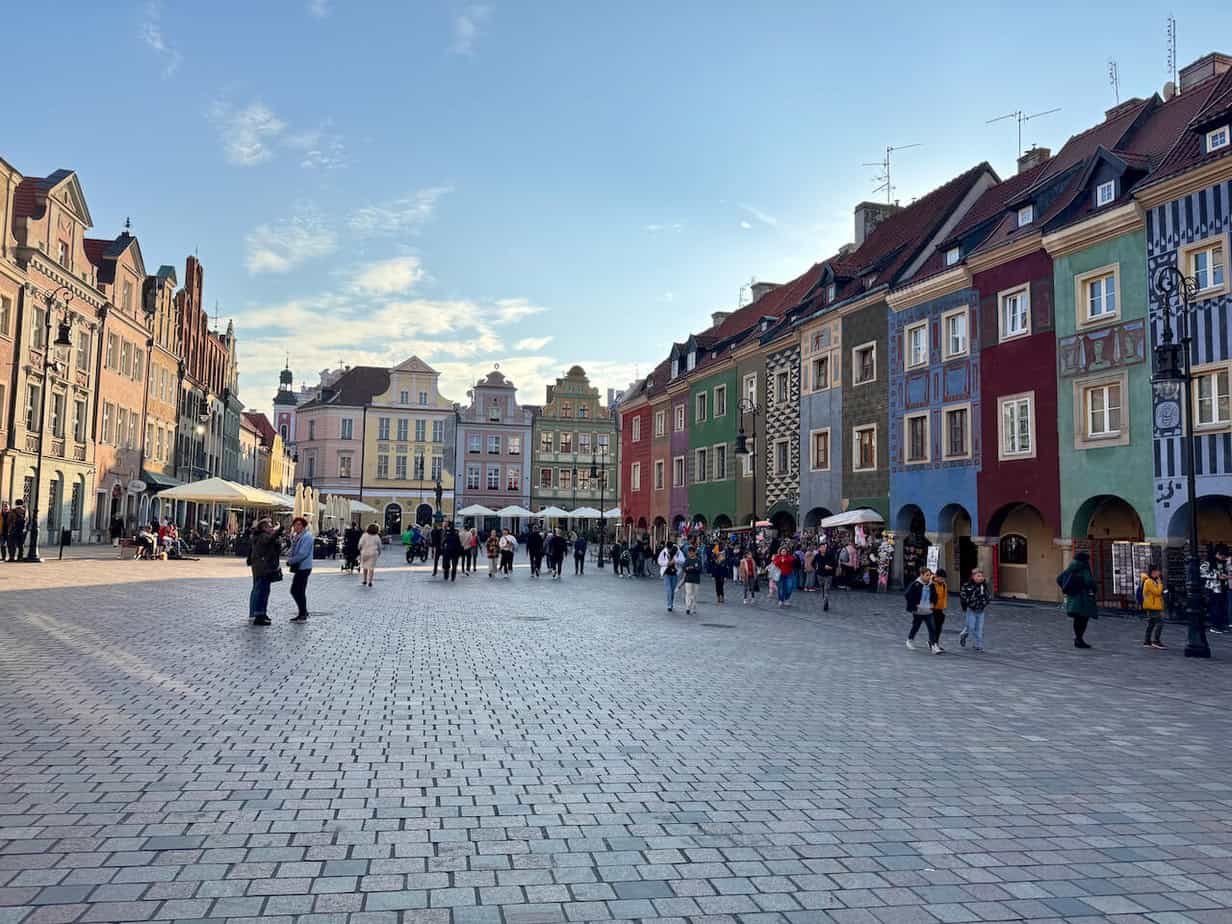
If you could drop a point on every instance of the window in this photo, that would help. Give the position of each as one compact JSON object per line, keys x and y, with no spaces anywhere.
{"x":438,"y":466}
{"x":382,"y":465}
{"x":750,"y":387}
{"x":720,"y":462}
{"x":158,"y":444}
{"x":57,"y":414}
{"x":699,"y":406}
{"x":1018,"y":426}
{"x":635,"y":476}
{"x":108,"y":421}
{"x":494,"y":474}
{"x":344,"y":465}
{"x":513,"y":479}
{"x":121,"y":439}
{"x":864,"y":448}
{"x":951,"y":256}
{"x":127,"y":298}
{"x":1211,"y":398}
{"x":701,"y":462}
{"x":1015,"y":314}
{"x":819,"y":373}
{"x":126,"y":358}
{"x":677,"y":471}
{"x":312,"y":465}
{"x":915,"y":439}
{"x":864,"y":364}
{"x":692,"y":361}
{"x":312,"y":429}
{"x":513,"y":444}
{"x":720,"y":401}
{"x":62,"y":253}
{"x":423,"y":397}
{"x":831,"y":290}
{"x":6,"y":314}
{"x":1096,"y":294}
{"x":1013,"y":550}
{"x":421,"y":430}
{"x":658,"y":475}
{"x":782,"y":458}
{"x":819,"y":450}
{"x":1105,"y":193}
{"x":660,"y":423}
{"x":472,"y":477}
{"x":1026,"y":215}
{"x":545,"y":477}
{"x":636,"y":428}
{"x":79,"y":417}
{"x":382,"y":428}
{"x":566,"y":409}
{"x":404,"y":397}
{"x":603,"y":444}
{"x":545,"y":441}
{"x":132,"y":430}
{"x":748,"y":460}
{"x":474,"y":442}
{"x":1102,"y":405}
{"x":584,"y":443}
{"x":678,"y":418}
{"x":494,"y":410}
{"x":915,"y":345}
{"x":781,"y":383}
{"x":566,"y":442}
{"x":494,"y":445}
{"x":348,"y":425}
{"x":583,"y":411}
{"x":957,"y":437}
{"x":1218,"y":138}
{"x":564,"y":477}
{"x":1206,"y":266}
{"x":403,"y":429}
{"x":149,"y":438}
{"x":954,"y":332}
{"x":583,"y":479}
{"x":438,"y":431}
{"x":113,"y":352}
{"x":138,"y":365}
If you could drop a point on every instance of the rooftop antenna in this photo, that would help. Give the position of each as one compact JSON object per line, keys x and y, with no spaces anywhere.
{"x":1172,"y":48}
{"x":215,"y":315}
{"x":1114,"y":78}
{"x":128,"y":224}
{"x":1021,"y":118}
{"x":883,"y":178}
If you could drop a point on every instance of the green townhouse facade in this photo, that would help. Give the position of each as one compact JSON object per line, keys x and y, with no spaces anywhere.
{"x":712,"y":418}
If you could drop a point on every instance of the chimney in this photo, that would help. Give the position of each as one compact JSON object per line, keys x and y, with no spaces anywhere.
{"x":1033,"y":158}
{"x":1122,"y":107}
{"x":718,"y":317}
{"x":762,"y":288}
{"x":1205,"y":68}
{"x":869,"y":215}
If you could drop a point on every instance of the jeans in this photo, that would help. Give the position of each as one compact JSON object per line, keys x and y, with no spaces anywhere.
{"x":922,"y":618}
{"x":974,"y":627}
{"x":579,"y":562}
{"x":506,"y":564}
{"x":258,"y":599}
{"x":536,"y":563}
{"x":299,"y":591}
{"x":1154,"y":624}
{"x":436,"y":558}
{"x":1217,"y":610}
{"x":690,"y":595}
{"x":787,"y":584}
{"x":669,"y":583}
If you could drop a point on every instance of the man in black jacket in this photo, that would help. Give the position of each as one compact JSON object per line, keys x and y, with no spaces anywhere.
{"x":534,"y":548}
{"x":556,"y":553}
{"x":263,"y":560}
{"x":450,"y":546}
{"x":436,"y":537}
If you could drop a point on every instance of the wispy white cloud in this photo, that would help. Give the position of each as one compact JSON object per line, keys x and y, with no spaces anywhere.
{"x":759,"y":216}
{"x":509,"y":310}
{"x":282,"y":245}
{"x":404,"y":215}
{"x":388,"y":277}
{"x":745,"y":225}
{"x":154,"y":37}
{"x":667,"y":297}
{"x":318,"y":8}
{"x":532,"y":344}
{"x":247,"y":134}
{"x":656,"y":228}
{"x":466,"y":27}
{"x":318,"y":149}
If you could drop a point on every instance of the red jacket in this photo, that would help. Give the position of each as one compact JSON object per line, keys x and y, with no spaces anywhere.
{"x":786,"y":562}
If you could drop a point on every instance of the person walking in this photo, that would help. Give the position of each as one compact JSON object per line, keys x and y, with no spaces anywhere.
{"x":464,"y":540}
{"x":747,"y":573}
{"x":826,"y":563}
{"x":579,"y":555}
{"x":1078,"y":584}
{"x":299,"y":563}
{"x":720,"y":569}
{"x":919,"y":597}
{"x":15,"y":538}
{"x":556,"y":553}
{"x":534,"y":550}
{"x":973,"y":596}
{"x":369,"y":552}
{"x":1153,"y":603}
{"x":507,"y":546}
{"x":435,"y":538}
{"x":671,"y":560}
{"x":941,"y":596}
{"x":492,"y":546}
{"x":810,"y":571}
{"x":785,"y":562}
{"x":1214,"y":573}
{"x":692,"y":579}
{"x":350,"y":547}
{"x":263,"y":552}
{"x":5,"y":515}
{"x":451,"y":551}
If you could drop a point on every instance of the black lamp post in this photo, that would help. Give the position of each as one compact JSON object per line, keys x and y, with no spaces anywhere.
{"x":1173,"y":387}
{"x":63,"y":339}
{"x":749,"y":406}
{"x":439,"y":490}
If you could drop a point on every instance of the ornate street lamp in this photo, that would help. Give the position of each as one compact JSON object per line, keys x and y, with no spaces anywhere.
{"x":601,"y":476}
{"x":749,"y":406}
{"x":1173,"y":387}
{"x":63,"y":339}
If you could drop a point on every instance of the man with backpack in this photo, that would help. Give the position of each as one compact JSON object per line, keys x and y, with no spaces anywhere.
{"x":1077,"y":582}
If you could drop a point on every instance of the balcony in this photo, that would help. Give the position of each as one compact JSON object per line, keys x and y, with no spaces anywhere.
{"x":56,"y":448}
{"x":32,"y":442}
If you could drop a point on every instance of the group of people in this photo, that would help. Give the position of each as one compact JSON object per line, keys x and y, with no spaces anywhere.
{"x":264,"y":560}
{"x":927,"y":598}
{"x":13,"y":531}
{"x":159,"y":541}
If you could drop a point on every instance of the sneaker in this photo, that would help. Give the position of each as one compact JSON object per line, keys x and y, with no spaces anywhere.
{"x":262,"y":621}
{"x":1147,"y":645}
{"x":1160,"y":645}
{"x":1080,"y":644}
{"x":911,"y":644}
{"x":935,"y":649}
{"x":825,"y":607}
{"x":962,"y":639}
{"x":979,"y":650}
{"x":299,"y":619}
{"x":669,"y":609}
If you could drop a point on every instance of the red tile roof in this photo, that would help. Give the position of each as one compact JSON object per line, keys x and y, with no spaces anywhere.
{"x":1107,"y":134}
{"x":995,"y":201}
{"x":262,"y":425}
{"x":354,"y":388}
{"x":96,"y":250}
{"x":1188,"y":151}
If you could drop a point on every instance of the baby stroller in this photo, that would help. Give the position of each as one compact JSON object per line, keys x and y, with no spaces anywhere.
{"x":350,"y":554}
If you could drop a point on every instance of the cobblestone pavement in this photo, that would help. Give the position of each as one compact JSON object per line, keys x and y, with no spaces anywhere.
{"x":518,"y":752}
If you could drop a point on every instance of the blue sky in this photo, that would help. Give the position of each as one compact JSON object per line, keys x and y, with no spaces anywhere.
{"x":533,"y":183}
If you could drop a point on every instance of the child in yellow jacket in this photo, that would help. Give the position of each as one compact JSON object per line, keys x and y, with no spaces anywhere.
{"x":1153,"y":603}
{"x":941,"y":596}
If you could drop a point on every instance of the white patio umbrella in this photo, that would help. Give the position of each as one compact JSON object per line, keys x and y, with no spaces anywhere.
{"x":218,"y":491}
{"x":476,"y":510}
{"x":358,"y":506}
{"x":513,"y":510}
{"x":613,"y":514}
{"x":856,"y":517}
{"x":556,"y":512}
{"x":585,"y":513}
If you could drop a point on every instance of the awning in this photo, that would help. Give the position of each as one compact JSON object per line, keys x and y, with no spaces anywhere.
{"x":547,"y":512}
{"x":585,"y":513}
{"x":476,"y":510}
{"x":360,"y":507}
{"x":852,"y":518}
{"x":513,"y":510}
{"x":220,"y":491}
{"x":156,"y":481}
{"x":613,"y":514}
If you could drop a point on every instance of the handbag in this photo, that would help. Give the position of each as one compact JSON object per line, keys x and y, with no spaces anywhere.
{"x":276,"y":576}
{"x":774,"y":572}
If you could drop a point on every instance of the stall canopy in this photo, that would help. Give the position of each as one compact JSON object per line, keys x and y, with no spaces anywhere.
{"x":513,"y":510}
{"x":585,"y":513}
{"x":476,"y":510}
{"x":547,"y":512}
{"x":860,"y":517}
{"x":358,"y":506}
{"x":220,"y":491}
{"x":613,"y":514}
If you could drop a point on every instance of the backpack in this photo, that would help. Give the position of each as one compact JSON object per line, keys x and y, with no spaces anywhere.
{"x":1069,"y":582}
{"x":1138,"y":593}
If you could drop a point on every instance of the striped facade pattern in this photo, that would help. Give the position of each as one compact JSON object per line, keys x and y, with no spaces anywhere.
{"x":782,"y":423}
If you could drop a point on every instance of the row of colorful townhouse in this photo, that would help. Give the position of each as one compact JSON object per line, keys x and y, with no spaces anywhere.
{"x":976,"y":367}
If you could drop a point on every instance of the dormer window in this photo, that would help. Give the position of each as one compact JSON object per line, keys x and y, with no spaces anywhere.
{"x":1026,"y":215}
{"x":692,"y":360}
{"x":868,"y":280}
{"x":831,"y":291}
{"x":951,"y":256}
{"x":1105,"y":193}
{"x":1218,"y":138}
